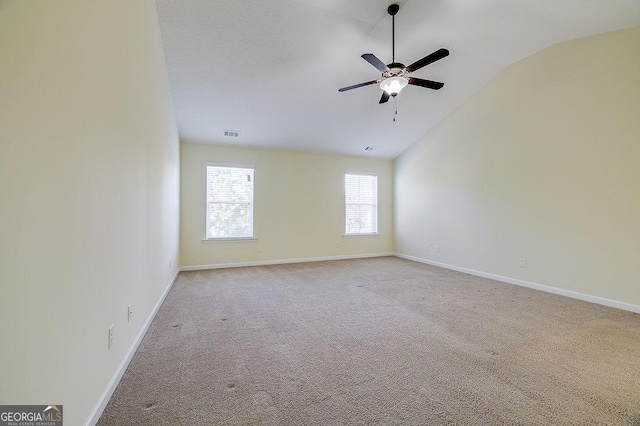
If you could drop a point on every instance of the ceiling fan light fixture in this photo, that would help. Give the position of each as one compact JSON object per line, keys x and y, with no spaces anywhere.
{"x":393,"y":85}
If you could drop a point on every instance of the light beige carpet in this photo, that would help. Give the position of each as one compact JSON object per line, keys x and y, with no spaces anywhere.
{"x":377,"y":341}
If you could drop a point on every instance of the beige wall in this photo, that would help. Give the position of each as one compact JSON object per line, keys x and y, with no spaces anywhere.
{"x":89,"y":190}
{"x":542,"y":163}
{"x":299,"y":206}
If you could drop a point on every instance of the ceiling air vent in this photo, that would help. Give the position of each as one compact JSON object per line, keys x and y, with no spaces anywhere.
{"x":232,"y":133}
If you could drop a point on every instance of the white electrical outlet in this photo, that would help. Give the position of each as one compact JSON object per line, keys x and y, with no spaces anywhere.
{"x":110,"y":336}
{"x":426,"y":247}
{"x":337,"y":244}
{"x":129,"y":312}
{"x":258,"y":248}
{"x":523,"y":262}
{"x":437,"y":249}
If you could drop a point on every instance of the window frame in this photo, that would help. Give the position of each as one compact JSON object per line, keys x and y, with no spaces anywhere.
{"x":376,"y":204}
{"x":208,"y":239}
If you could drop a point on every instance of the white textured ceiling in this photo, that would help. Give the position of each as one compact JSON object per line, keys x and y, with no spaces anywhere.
{"x":271,"y":69}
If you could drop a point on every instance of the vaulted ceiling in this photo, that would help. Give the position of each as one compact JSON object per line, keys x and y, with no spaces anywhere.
{"x":271,"y":69}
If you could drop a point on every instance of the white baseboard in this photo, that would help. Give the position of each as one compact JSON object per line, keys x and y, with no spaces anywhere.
{"x":282,"y":261}
{"x":536,"y":286}
{"x":106,"y":395}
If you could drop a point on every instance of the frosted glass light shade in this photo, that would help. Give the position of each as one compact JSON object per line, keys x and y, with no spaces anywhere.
{"x":393,"y":85}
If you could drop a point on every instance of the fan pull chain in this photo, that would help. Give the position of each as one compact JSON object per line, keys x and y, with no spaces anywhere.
{"x":395,"y":108}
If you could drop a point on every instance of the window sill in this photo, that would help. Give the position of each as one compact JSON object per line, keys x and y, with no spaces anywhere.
{"x":372,"y":234}
{"x":228,"y":240}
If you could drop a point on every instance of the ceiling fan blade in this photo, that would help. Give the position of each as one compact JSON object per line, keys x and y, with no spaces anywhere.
{"x":355,"y":86}
{"x":429,"y":84}
{"x":429,"y":59}
{"x":373,"y":60}
{"x":384,"y":98}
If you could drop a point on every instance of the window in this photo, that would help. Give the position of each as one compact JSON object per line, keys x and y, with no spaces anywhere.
{"x":361,"y":204}
{"x":229,"y":201}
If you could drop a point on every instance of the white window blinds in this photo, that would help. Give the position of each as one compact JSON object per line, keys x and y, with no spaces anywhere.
{"x":229,"y":202}
{"x":361,"y":204}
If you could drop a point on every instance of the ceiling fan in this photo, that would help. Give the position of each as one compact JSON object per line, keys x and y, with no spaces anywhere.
{"x":395,"y":76}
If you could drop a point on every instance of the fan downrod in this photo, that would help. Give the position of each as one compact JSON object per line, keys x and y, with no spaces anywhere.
{"x":393,"y":9}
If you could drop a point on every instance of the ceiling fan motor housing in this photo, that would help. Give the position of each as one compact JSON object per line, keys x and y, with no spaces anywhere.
{"x":396,"y":69}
